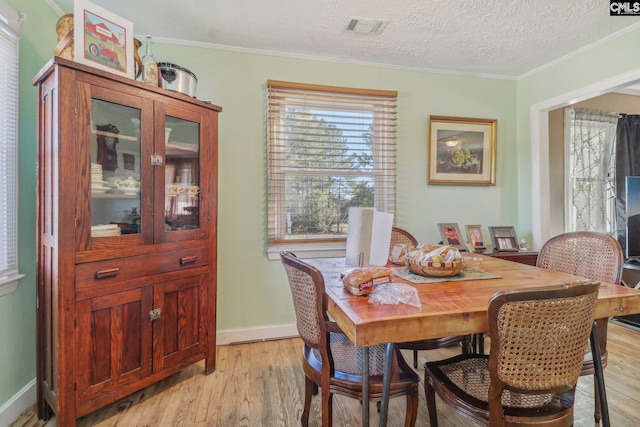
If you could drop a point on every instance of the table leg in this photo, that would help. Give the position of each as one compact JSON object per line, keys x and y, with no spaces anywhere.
{"x":599,"y":374}
{"x":386,"y":384}
{"x":365,"y":388}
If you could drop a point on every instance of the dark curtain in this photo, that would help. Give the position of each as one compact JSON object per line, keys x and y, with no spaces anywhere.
{"x":627,"y":164}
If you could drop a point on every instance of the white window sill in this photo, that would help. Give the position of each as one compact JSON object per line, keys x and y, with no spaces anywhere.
{"x":308,"y":250}
{"x":9,"y":284}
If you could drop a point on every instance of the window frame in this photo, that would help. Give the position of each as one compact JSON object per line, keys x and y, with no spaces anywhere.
{"x":382,"y":172}
{"x":9,"y":26}
{"x":607,"y":184}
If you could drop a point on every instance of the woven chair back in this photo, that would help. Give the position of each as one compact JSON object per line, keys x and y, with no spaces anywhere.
{"x":588,"y":254}
{"x":538,"y":336}
{"x":307,"y":290}
{"x":401,"y":237}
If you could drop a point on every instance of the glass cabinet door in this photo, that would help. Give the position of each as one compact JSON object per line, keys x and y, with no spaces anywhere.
{"x":115,"y":169}
{"x":182,"y":174}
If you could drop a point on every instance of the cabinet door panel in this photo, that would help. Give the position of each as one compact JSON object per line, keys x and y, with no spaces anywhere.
{"x":114,"y":342}
{"x":181,"y":178}
{"x":180,"y":332}
{"x":115,"y":209}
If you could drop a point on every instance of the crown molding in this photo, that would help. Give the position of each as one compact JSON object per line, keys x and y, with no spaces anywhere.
{"x":214,"y":46}
{"x":580,"y":51}
{"x":54,"y":6}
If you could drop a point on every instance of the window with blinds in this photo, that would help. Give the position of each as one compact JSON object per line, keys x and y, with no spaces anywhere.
{"x":8,"y":152}
{"x":591,"y":181}
{"x":330,"y":148}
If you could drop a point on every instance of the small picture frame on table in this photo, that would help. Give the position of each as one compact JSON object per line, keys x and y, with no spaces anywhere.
{"x":504,"y":239}
{"x":474,"y":236}
{"x":102,"y":39}
{"x":451,"y":235}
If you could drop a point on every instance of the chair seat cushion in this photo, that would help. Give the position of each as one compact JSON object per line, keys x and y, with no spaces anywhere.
{"x":349,"y":359}
{"x":467,"y":376}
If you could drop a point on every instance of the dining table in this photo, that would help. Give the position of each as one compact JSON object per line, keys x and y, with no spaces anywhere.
{"x":451,"y":306}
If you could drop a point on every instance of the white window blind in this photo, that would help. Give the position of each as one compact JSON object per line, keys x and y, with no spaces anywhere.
{"x":8,"y":152}
{"x":591,"y":181}
{"x":330,"y":148}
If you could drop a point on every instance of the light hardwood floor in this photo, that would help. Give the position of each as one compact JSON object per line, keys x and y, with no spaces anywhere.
{"x":261,"y":384}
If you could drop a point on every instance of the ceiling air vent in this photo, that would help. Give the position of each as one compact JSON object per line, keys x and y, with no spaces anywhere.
{"x":365,"y":25}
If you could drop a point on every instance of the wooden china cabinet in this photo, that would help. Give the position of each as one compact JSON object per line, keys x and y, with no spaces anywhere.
{"x":126,"y":237}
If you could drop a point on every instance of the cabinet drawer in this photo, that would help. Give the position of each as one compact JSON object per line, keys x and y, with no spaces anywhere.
{"x":116,"y":270}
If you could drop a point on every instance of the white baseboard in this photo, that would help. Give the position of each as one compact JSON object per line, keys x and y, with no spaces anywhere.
{"x":256,"y":334}
{"x":20,"y":402}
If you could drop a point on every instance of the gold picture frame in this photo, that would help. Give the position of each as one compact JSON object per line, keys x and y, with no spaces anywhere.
{"x":462,"y":151}
{"x":102,"y":39}
{"x":504,"y":239}
{"x":474,"y":237}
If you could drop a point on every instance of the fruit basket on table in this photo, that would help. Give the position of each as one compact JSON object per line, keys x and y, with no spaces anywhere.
{"x":444,"y":261}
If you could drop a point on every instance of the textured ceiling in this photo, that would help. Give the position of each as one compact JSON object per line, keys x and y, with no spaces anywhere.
{"x":506,"y":38}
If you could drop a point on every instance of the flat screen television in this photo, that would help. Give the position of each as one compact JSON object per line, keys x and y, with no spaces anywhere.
{"x":633,"y":216}
{"x":633,"y":239}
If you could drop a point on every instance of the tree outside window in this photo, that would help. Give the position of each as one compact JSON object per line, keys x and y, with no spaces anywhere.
{"x":591,"y":178}
{"x":327,"y":152}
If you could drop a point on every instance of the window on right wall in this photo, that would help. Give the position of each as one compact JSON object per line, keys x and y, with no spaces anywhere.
{"x":591,"y":180}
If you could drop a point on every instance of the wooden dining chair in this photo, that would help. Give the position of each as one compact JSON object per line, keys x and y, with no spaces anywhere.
{"x":538,"y":337}
{"x":592,"y":255}
{"x":401,"y":236}
{"x":329,"y":359}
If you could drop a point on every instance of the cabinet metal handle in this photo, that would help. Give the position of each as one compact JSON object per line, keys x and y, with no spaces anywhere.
{"x":188,"y":259}
{"x":156,"y":160}
{"x":155,"y":314}
{"x":107,"y":272}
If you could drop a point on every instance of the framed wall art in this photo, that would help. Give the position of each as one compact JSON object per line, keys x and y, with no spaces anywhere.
{"x":102,"y":39}
{"x":504,"y":239}
{"x":462,"y":151}
{"x":450,"y":234}
{"x":474,"y":236}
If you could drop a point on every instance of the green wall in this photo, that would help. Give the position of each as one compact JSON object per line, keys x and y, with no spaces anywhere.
{"x":259,"y":295}
{"x":606,"y":61}
{"x":252,"y":291}
{"x":17,"y":310}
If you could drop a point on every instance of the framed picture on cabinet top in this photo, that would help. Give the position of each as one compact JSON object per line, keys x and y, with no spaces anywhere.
{"x":450,"y":234}
{"x":504,"y":239}
{"x":462,"y":151}
{"x":102,"y":39}
{"x":474,"y":236}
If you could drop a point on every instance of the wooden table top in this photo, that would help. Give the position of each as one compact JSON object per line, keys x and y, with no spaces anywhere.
{"x":452,"y":307}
